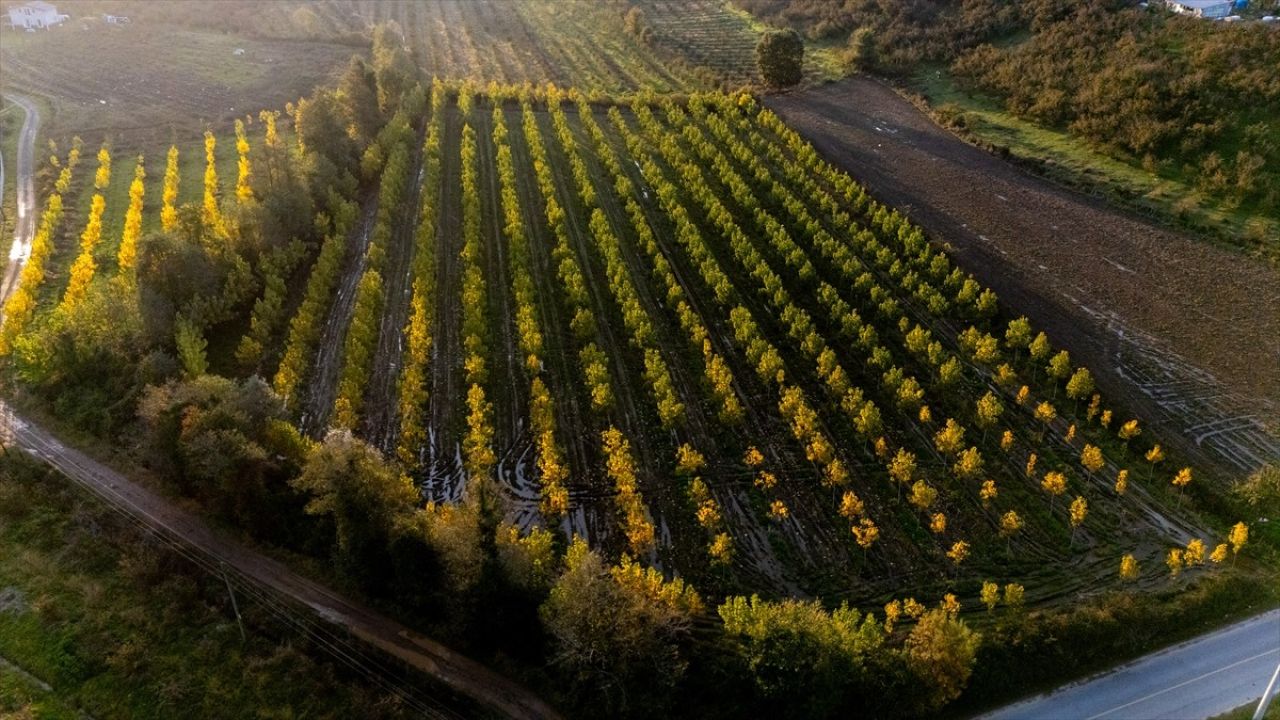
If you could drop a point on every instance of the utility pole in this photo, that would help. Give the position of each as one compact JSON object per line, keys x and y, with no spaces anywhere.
{"x":234,"y":605}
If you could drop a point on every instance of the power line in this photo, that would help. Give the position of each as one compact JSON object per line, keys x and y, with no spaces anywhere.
{"x":340,"y":647}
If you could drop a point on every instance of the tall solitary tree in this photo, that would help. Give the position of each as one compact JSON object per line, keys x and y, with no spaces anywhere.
{"x":780,"y":56}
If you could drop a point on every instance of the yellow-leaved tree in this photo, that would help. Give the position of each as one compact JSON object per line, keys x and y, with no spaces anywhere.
{"x":210,"y":213}
{"x":1154,"y":455}
{"x":1128,"y":431}
{"x":922,"y":495}
{"x":102,"y":178}
{"x":1092,"y":459}
{"x":1238,"y":537}
{"x":243,"y":191}
{"x":1128,"y":568}
{"x":169,"y":196}
{"x":1194,"y":554}
{"x":1219,"y":553}
{"x":866,"y":533}
{"x":990,"y":595}
{"x":128,"y":253}
{"x":1010,"y":524}
{"x":1045,"y":413}
{"x":1054,"y":483}
{"x":938,"y":523}
{"x":988,"y":492}
{"x":1079,"y":511}
{"x":969,"y":465}
{"x":84,"y":267}
{"x":988,"y":412}
{"x":1182,"y":479}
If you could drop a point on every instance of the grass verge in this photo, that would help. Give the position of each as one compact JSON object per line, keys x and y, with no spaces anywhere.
{"x":1074,"y":163}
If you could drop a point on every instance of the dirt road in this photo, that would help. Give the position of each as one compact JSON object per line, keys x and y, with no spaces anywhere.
{"x":1187,"y":333}
{"x":459,"y":673}
{"x":24,"y":228}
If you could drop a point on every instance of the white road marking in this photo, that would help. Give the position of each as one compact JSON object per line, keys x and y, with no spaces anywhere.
{"x":1182,"y":684}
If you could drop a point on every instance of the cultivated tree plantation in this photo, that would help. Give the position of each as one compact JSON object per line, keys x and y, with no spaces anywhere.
{"x":639,"y":358}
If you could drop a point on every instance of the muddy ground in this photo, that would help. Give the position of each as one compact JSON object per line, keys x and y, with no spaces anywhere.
{"x":1184,"y":333}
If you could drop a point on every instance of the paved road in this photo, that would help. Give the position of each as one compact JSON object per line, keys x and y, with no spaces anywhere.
{"x":24,"y":229}
{"x":460,"y":673}
{"x":1198,"y":679}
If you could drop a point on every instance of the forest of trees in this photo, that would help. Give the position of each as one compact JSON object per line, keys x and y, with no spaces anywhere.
{"x":1182,"y":96}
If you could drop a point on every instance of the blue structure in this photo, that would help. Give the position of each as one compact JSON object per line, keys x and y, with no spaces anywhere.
{"x":1211,"y":9}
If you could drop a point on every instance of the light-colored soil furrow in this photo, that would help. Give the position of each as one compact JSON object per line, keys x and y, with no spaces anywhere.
{"x":380,"y":422}
{"x":632,"y":415}
{"x":322,"y":385}
{"x":508,"y":381}
{"x":559,"y":354}
{"x":443,"y":477}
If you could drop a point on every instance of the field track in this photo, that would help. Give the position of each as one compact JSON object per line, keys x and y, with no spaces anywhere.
{"x":1187,"y":332}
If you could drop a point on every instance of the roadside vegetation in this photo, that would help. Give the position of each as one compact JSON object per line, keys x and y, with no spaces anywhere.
{"x":11,"y":116}
{"x":99,"y":618}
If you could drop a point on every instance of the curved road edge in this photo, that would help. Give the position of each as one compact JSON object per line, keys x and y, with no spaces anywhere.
{"x":1195,"y":679}
{"x":24,"y":227}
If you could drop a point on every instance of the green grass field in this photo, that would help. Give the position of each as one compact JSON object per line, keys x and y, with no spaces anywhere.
{"x":10,"y":125}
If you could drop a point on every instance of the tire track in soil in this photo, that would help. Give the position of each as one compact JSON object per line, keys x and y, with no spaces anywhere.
{"x":628,"y":414}
{"x":559,"y":357}
{"x":444,"y":457}
{"x":323,"y":383}
{"x":381,"y":423}
{"x":507,"y":389}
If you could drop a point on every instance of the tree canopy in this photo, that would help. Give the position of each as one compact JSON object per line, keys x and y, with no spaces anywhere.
{"x":780,"y":55}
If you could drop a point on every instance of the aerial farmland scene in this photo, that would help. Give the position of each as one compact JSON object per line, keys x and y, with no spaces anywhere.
{"x":640,"y":359}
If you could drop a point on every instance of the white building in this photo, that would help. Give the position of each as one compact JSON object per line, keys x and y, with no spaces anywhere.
{"x":35,"y":14}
